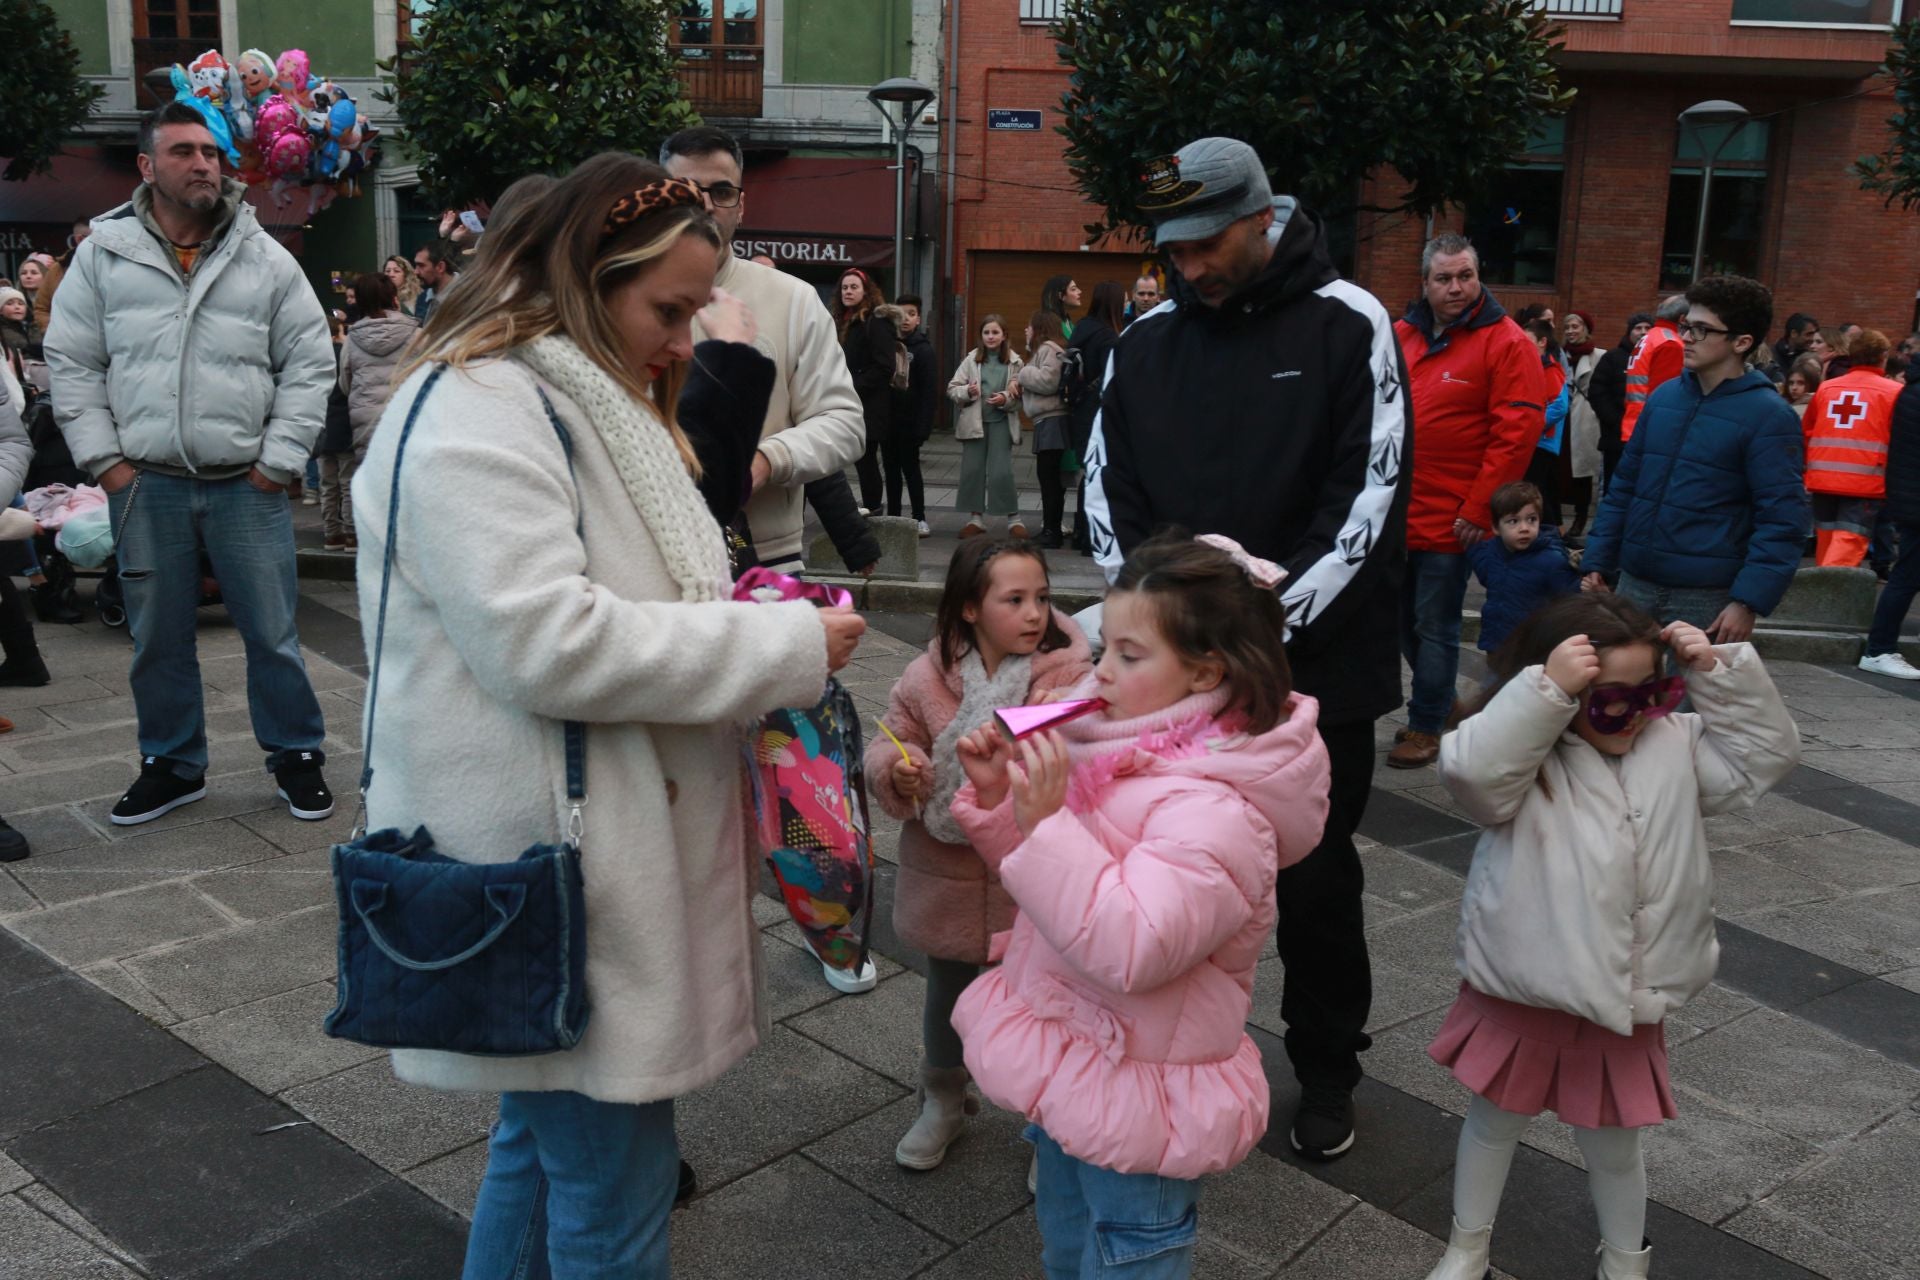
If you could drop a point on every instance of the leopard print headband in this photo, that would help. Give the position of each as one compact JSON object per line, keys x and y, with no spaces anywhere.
{"x":662,"y":194}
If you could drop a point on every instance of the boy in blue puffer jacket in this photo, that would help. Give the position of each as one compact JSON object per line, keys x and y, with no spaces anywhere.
{"x":1523,"y":568}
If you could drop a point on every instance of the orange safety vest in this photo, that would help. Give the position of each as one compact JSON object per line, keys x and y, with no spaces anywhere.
{"x":1848,"y":425}
{"x":1645,"y":372}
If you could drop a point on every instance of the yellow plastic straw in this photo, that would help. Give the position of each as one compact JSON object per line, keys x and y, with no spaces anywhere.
{"x":902,"y":749}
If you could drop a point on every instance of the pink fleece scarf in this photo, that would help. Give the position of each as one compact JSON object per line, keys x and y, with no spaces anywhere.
{"x":1102,"y":749}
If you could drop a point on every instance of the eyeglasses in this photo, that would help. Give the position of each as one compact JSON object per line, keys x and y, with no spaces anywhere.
{"x":1612,"y":707}
{"x":1697,"y":332}
{"x":723,"y":194}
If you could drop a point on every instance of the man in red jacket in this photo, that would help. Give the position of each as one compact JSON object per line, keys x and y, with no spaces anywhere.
{"x":1659,"y":358}
{"x":1479,"y":409}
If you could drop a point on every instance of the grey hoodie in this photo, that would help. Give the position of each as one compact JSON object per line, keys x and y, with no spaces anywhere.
{"x":371,"y":353}
{"x":207,"y":375}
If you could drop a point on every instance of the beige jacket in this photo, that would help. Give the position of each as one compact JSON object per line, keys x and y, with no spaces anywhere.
{"x":814,"y":424}
{"x":502,"y":623}
{"x":1591,"y":890}
{"x":968,"y":420}
{"x":1041,"y":395}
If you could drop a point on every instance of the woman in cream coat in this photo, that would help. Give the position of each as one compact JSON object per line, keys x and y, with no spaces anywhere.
{"x":986,"y":387}
{"x":593,"y":588}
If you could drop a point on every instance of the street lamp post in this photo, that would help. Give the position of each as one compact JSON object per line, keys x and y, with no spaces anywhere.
{"x":911,"y":95}
{"x":1700,"y":117}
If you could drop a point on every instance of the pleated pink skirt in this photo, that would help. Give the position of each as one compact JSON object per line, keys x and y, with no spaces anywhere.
{"x":1528,"y":1060}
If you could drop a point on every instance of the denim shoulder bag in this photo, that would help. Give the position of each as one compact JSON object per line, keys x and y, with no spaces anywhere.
{"x":469,"y":957}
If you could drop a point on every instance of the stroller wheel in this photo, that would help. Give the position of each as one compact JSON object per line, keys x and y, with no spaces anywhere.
{"x":113,"y":615}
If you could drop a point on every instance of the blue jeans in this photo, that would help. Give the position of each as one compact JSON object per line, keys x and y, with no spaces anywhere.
{"x":1698,"y":605}
{"x":1897,"y":596}
{"x":1435,"y":592}
{"x":248,"y":537}
{"x":575,"y":1190}
{"x":1096,"y":1224}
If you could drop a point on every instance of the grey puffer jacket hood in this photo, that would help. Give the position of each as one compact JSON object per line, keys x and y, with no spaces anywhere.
{"x":373,"y":350}
{"x":206,"y":374}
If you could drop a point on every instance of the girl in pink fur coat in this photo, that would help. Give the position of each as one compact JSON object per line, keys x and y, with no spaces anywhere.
{"x":998,"y":643}
{"x":1141,"y":847}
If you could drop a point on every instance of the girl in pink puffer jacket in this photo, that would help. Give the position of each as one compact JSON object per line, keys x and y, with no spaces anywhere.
{"x":1141,"y":847}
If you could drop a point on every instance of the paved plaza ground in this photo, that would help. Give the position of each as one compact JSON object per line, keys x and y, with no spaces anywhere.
{"x":170,"y":1108}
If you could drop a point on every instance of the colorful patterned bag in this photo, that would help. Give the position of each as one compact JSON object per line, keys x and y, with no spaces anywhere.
{"x":810,"y":802}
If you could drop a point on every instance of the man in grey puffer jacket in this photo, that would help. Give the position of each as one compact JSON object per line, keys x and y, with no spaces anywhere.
{"x":190,"y":364}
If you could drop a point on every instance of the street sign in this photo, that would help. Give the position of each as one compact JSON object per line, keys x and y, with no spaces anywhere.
{"x":1017,"y":121}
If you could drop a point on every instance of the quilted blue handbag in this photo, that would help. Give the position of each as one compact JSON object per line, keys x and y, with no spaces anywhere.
{"x":437,"y":953}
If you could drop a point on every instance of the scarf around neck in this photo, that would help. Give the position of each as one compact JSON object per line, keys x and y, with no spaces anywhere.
{"x":981,"y":695}
{"x":649,"y":464}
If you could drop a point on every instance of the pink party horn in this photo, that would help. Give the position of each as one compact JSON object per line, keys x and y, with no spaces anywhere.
{"x":1024,"y":722}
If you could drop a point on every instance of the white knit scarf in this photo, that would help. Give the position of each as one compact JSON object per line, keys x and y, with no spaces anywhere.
{"x":649,"y":464}
{"x":981,"y":695}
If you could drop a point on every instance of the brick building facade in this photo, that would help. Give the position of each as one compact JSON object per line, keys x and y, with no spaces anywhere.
{"x":1600,"y":214}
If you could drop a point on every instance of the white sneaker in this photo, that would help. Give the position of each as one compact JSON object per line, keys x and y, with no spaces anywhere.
{"x":925,"y":532}
{"x":1890,"y":664}
{"x":865,"y":512}
{"x":853,"y":982}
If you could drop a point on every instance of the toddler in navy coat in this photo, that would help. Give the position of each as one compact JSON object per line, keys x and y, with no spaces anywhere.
{"x":1522,"y":568}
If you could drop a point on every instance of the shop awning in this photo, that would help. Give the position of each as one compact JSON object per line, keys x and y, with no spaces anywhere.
{"x":88,"y":181}
{"x":808,"y":209}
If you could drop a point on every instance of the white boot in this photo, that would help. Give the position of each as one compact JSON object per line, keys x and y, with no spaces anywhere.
{"x":1466,"y":1256}
{"x":1618,"y":1264}
{"x":945,"y":1105}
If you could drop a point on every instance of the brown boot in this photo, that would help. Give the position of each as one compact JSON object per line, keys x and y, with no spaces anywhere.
{"x":1415,"y":751}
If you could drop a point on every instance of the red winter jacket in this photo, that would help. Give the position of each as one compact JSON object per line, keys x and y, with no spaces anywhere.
{"x":1659,"y":358}
{"x":1479,"y":407}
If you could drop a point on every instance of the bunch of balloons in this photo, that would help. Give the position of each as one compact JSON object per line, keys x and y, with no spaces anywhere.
{"x":280,"y":124}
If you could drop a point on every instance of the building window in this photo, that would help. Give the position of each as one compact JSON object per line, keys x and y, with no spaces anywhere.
{"x":1042,"y":12}
{"x":413,"y":16}
{"x":1817,"y":13}
{"x":719,"y":46}
{"x":1515,"y":227}
{"x":176,"y":20}
{"x":1737,"y":204}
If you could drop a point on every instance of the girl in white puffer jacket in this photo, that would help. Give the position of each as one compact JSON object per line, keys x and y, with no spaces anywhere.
{"x":1588,"y":914}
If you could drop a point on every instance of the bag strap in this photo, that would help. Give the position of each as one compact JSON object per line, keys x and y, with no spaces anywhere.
{"x":575,"y":732}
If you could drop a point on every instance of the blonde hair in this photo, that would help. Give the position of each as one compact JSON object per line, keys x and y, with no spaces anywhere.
{"x":548,"y":267}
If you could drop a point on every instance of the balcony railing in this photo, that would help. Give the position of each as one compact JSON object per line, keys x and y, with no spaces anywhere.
{"x":722,"y":80}
{"x":1042,"y":12}
{"x":1602,"y":9}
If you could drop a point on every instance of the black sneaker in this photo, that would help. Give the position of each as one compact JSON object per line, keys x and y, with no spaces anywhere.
{"x":1323,"y":1126}
{"x":302,"y":787}
{"x":159,"y":790}
{"x":689,"y":1185}
{"x":13,"y":845}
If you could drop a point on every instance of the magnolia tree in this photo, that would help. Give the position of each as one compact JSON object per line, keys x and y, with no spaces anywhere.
{"x":1444,"y":92}
{"x":493,"y":90}
{"x":1895,"y":172}
{"x":43,"y":97}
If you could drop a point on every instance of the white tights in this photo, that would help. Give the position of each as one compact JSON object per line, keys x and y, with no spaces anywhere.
{"x":1616,"y":1172}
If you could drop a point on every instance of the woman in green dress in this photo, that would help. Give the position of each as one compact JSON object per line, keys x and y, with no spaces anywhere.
{"x":988,"y":427}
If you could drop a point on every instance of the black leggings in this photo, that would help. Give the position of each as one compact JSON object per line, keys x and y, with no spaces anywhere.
{"x":946,"y":979}
{"x":876,"y":404}
{"x":1053,"y":489}
{"x":901,"y":454}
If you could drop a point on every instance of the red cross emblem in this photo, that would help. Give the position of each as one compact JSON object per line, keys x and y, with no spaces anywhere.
{"x":1844,"y":409}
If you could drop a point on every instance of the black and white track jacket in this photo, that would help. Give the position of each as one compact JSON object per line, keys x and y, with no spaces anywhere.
{"x":1279,"y":418}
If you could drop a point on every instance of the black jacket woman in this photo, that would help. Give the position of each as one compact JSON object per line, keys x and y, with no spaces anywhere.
{"x":1607,"y":392}
{"x":1088,"y":353}
{"x":868,"y":337}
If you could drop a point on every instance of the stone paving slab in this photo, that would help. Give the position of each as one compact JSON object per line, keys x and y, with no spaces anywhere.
{"x":217,"y":924}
